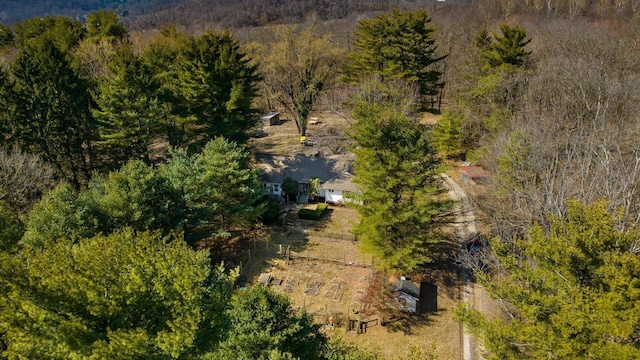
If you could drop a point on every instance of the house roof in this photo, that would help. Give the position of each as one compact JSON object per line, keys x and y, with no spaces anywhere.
{"x":270,"y":174}
{"x":270,"y":115}
{"x":342,"y":183}
{"x":335,"y":172}
{"x":408,"y":287}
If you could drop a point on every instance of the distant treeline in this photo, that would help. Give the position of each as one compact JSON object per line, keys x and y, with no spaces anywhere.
{"x":147,"y":14}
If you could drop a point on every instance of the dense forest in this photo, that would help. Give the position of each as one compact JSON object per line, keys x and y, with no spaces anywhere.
{"x":122,"y":148}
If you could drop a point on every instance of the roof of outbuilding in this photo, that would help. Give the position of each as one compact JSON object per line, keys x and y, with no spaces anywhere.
{"x":270,"y":115}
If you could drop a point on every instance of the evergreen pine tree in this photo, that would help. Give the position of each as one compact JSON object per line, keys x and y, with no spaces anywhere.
{"x":128,"y":111}
{"x":398,"y":45}
{"x":50,"y":110}
{"x":396,"y":169}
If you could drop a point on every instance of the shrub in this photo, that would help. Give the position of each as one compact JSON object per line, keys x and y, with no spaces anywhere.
{"x":308,"y":214}
{"x":270,"y":216}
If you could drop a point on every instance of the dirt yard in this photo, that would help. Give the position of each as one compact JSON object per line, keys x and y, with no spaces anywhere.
{"x":328,"y":277}
{"x":326,"y":127}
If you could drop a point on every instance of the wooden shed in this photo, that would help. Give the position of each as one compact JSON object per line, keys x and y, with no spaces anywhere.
{"x":272,"y":118}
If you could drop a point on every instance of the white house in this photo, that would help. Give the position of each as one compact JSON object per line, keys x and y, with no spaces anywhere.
{"x":272,"y":181}
{"x":334,"y":190}
{"x":334,"y":173}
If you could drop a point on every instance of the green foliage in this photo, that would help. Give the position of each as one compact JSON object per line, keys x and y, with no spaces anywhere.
{"x":11,"y":228}
{"x":221,"y":192}
{"x":338,"y":349}
{"x":49,"y":108}
{"x":103,"y":23}
{"x":397,"y":95}
{"x":214,"y":192}
{"x":290,"y":186}
{"x":496,"y":84}
{"x":396,"y":169}
{"x":124,"y":295}
{"x":211,"y":87}
{"x":572,"y":289}
{"x":446,"y":134}
{"x":186,"y":90}
{"x":128,"y":111}
{"x":308,"y":214}
{"x":139,"y":197}
{"x":6,"y":36}
{"x":271,"y":213}
{"x":314,"y":186}
{"x":62,"y":31}
{"x":62,"y":214}
{"x":506,"y":48}
{"x":397,"y":45}
{"x":262,"y":321}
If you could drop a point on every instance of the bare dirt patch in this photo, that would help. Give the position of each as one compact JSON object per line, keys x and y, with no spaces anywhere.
{"x":283,"y":139}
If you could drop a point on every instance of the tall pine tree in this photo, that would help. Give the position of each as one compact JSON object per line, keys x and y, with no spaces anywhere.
{"x":398,"y":45}
{"x":396,"y":169}
{"x":571,"y":291}
{"x":128,"y":111}
{"x":211,"y":91}
{"x":50,"y":110}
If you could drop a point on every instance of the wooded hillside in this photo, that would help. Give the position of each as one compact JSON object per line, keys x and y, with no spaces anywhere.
{"x":123,"y":149}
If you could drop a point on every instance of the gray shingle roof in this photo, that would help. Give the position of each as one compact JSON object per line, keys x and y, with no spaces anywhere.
{"x":334,"y":171}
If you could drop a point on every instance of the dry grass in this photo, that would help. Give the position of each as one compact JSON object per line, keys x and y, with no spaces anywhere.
{"x":429,"y":118}
{"x":283,"y":139}
{"x":319,"y":281}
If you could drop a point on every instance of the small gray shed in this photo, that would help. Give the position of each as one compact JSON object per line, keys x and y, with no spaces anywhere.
{"x":272,"y":118}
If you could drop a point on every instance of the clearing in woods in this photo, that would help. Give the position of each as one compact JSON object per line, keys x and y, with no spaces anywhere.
{"x":332,"y":280}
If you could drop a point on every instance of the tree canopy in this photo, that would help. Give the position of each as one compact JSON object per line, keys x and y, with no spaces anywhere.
{"x":128,"y":110}
{"x":262,"y":323}
{"x":398,"y":45}
{"x":571,"y":291}
{"x":82,"y":99}
{"x":49,"y":110}
{"x":211,"y":86}
{"x":123,"y":295}
{"x":214,"y":193}
{"x":396,"y":169}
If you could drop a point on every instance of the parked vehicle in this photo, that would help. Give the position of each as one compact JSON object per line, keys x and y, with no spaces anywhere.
{"x":309,"y":142}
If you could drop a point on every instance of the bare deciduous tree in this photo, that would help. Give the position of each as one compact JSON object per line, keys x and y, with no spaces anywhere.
{"x":297,"y":68}
{"x":23,"y":179}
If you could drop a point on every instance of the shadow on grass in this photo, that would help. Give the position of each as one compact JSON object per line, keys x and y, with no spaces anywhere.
{"x":443,"y":270}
